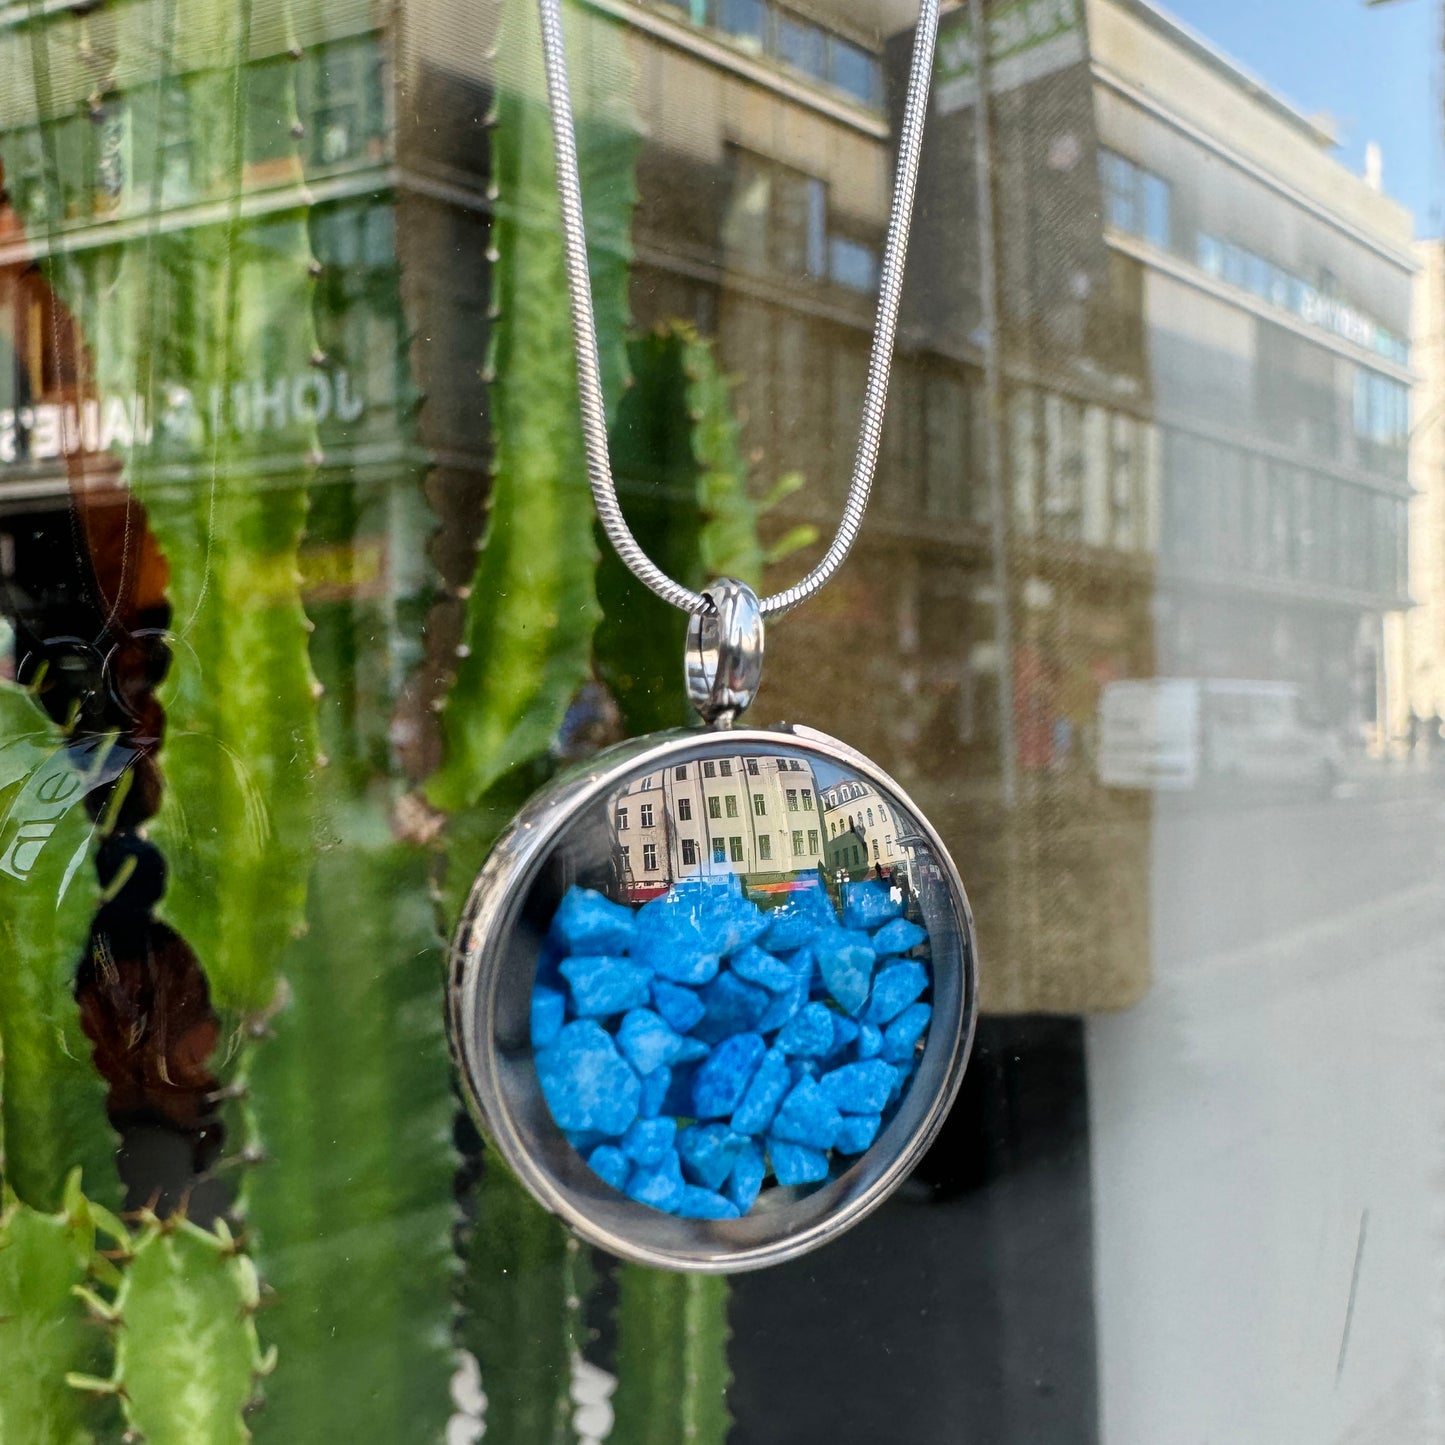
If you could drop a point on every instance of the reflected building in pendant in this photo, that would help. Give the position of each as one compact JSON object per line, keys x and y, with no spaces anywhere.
{"x":754,"y":816}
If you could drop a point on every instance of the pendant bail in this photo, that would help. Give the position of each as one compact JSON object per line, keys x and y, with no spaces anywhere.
{"x":724,"y":657}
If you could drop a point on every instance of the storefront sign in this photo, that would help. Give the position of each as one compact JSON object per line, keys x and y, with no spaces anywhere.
{"x":1027,"y":39}
{"x":51,"y":430}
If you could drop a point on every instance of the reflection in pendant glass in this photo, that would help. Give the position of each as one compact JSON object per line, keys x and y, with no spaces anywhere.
{"x":733,"y":997}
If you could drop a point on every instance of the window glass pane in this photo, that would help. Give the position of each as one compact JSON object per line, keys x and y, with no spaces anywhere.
{"x":745,"y":19}
{"x":801,"y":45}
{"x":854,"y":70}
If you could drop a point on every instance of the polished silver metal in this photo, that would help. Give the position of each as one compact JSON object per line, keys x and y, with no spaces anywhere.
{"x":493,"y":966}
{"x":723,"y":660}
{"x":584,"y":326}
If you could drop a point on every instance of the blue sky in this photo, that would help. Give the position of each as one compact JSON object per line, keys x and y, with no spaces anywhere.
{"x":1375,"y":71}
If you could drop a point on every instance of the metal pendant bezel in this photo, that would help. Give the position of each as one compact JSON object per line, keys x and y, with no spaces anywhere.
{"x":500,"y":1085}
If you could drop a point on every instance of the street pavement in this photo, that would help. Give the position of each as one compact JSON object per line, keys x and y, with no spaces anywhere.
{"x":1268,"y":1130}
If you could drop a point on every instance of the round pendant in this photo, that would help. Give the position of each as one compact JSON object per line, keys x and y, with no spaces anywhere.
{"x":714,"y":990}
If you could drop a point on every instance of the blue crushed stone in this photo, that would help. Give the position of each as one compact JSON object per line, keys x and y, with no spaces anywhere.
{"x":586,"y":922}
{"x":660,"y":1184}
{"x":733,"y":1007}
{"x":611,"y":1163}
{"x":700,"y":1046}
{"x":897,"y":937}
{"x":904,"y":1032}
{"x":549,"y":1010}
{"x":723,"y":1078}
{"x":708,"y":1153}
{"x":654,"y":1091}
{"x":796,"y":1163}
{"x":763,"y":1095}
{"x":809,"y":1033}
{"x":586,"y":1082}
{"x":857,"y":1132}
{"x":647,"y":1042}
{"x":766,"y":970}
{"x":807,"y":1116}
{"x":845,"y":964}
{"x":647,"y":1141}
{"x":691,"y":1051}
{"x":679,"y":1006}
{"x":704,"y":1204}
{"x":745,"y":1183}
{"x":671,"y":942}
{"x":785,"y":1005}
{"x":859,"y":1088}
{"x":603,"y":985}
{"x":894,"y":989}
{"x":868,"y":904}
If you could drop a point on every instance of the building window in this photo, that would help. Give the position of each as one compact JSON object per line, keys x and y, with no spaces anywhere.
{"x":745,"y":20}
{"x":803,"y":46}
{"x":765,"y":846}
{"x":689,"y":853}
{"x":714,"y":807}
{"x":753,"y":767}
{"x":735,"y":847}
{"x":709,"y":769}
{"x":732,"y":805}
{"x":797,"y":842}
{"x":684,"y":810}
{"x":680,"y":772}
{"x":649,"y":857}
{"x":807,"y":800}
{"x":1135,"y":200}
{"x":626,"y":856}
{"x":888,"y":842}
{"x":719,"y":851}
{"x":776,"y":219}
{"x":622,"y":820}
{"x":760,"y":805}
{"x":875,"y":850}
{"x":882,"y":812}
{"x":854,"y":71}
{"x":813,"y":841}
{"x":870,"y":817}
{"x":853,"y":264}
{"x":725,"y":767}
{"x":792,"y":800}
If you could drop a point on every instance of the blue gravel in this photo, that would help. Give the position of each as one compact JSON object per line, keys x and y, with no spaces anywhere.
{"x":647,"y":1042}
{"x":549,"y":1010}
{"x":611,"y":1163}
{"x":654,"y":1091}
{"x":723,"y":1078}
{"x":809,"y":1032}
{"x":897,"y":937}
{"x":587,"y":1083}
{"x":679,"y":1006}
{"x":648,"y":1141}
{"x":708,"y":1153}
{"x":845,"y":964}
{"x":701,"y":1046}
{"x":894,"y":989}
{"x":857,"y":1132}
{"x":602,"y":985}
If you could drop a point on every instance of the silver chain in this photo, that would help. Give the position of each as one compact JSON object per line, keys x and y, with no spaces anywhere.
{"x":584,"y":326}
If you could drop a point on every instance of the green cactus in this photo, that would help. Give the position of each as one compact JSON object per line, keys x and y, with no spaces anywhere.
{"x":532,"y":606}
{"x":187,"y":1357}
{"x":351,"y":1207}
{"x":45,"y":1259}
{"x":672,"y":1373}
{"x":515,"y":1311}
{"x":51,"y":1100}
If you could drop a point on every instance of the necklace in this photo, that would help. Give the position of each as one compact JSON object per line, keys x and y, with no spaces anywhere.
{"x":714,"y":989}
